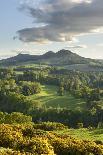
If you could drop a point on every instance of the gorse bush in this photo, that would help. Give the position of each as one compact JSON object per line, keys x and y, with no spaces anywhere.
{"x":4,"y":151}
{"x":24,"y":139}
{"x":50,"y":126}
{"x":64,"y":145}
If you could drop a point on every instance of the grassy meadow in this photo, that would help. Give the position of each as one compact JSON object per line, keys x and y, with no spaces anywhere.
{"x":84,"y":133}
{"x":50,"y":98}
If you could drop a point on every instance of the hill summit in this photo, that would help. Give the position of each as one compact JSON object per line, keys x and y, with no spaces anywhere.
{"x":62,"y":57}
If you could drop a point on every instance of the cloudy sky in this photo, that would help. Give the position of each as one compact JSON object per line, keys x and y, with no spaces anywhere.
{"x":37,"y":26}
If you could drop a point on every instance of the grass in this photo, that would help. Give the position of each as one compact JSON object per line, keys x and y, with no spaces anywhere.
{"x":50,"y":98}
{"x":85,"y":134}
{"x":19,"y":72}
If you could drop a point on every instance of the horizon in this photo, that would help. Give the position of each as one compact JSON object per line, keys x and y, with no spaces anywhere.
{"x":29,"y":53}
{"x":45,"y":25}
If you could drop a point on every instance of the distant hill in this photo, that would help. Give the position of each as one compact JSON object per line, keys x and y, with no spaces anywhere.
{"x":64,"y":58}
{"x":60,"y":58}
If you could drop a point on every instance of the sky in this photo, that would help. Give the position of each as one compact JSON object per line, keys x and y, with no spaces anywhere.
{"x":38,"y":26}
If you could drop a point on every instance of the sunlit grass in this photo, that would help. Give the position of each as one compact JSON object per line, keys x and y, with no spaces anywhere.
{"x":50,"y":98}
{"x":86,"y":134}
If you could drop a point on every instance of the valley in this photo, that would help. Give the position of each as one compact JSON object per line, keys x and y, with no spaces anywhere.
{"x":51,"y":108}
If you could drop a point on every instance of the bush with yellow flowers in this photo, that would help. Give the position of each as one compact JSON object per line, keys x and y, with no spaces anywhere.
{"x":67,"y":145}
{"x":50,"y":126}
{"x":24,"y":139}
{"x":4,"y":151}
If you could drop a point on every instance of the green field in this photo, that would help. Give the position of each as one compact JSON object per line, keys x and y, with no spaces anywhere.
{"x":85,"y":134}
{"x":50,"y":98}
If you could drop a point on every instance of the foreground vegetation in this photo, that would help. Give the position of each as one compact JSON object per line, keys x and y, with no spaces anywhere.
{"x":42,"y":138}
{"x":51,"y":111}
{"x":84,"y":133}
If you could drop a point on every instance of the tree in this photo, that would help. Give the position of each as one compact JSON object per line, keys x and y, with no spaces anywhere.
{"x":30,"y":88}
{"x":79,"y":125}
{"x":61,"y":91}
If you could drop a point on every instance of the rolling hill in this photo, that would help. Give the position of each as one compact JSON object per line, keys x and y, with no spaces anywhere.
{"x":71,"y":60}
{"x":62,"y":57}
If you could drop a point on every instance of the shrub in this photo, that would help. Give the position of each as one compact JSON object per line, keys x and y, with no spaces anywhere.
{"x":50,"y":126}
{"x":25,"y":140}
{"x":79,"y":125}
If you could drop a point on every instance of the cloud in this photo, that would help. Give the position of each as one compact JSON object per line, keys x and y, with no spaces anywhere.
{"x":100,"y":45}
{"x":4,"y":55}
{"x":76,"y":46}
{"x":24,"y":51}
{"x":61,"y":20}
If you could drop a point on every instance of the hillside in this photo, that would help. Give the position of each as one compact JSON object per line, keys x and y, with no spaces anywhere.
{"x":48,"y":97}
{"x":62,"y":57}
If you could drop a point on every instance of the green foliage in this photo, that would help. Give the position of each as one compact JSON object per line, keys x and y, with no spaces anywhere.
{"x":90,"y":133}
{"x":81,"y":100}
{"x":79,"y":125}
{"x":61,"y":91}
{"x":49,"y":98}
{"x":30,"y":88}
{"x":6,"y":73}
{"x":7,"y":86}
{"x":50,"y":126}
{"x":14,"y":118}
{"x":18,"y":103}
